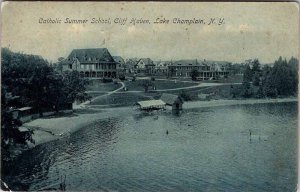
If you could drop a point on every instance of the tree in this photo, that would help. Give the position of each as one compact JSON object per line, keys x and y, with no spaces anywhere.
{"x":255,"y":66}
{"x":256,"y":79}
{"x":194,"y":74}
{"x":281,"y":79}
{"x":66,"y":88}
{"x":40,"y":85}
{"x":37,"y":85}
{"x":171,"y":72}
{"x":246,"y":92}
{"x":146,"y":84}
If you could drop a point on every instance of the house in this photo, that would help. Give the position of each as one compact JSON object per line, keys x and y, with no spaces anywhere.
{"x":121,"y":68}
{"x":208,"y":70}
{"x":161,"y":67}
{"x":145,"y":66}
{"x":96,"y":62}
{"x":130,"y":65}
{"x":172,"y":100}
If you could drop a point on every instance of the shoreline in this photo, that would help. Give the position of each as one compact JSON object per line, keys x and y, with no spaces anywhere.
{"x":230,"y":102}
{"x":53,"y":128}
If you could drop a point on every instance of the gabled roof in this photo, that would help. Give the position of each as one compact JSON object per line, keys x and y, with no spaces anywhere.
{"x":119,"y":59}
{"x":169,"y":99}
{"x":90,"y":55}
{"x":147,"y":61}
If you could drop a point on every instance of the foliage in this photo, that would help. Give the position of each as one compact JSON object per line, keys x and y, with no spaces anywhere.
{"x":187,"y":96}
{"x":10,"y":133}
{"x":146,"y":83}
{"x":122,"y":77}
{"x":279,"y":80}
{"x":107,"y":80}
{"x":256,"y":78}
{"x":255,"y":66}
{"x":37,"y":84}
{"x":237,"y":68}
{"x":194,"y":74}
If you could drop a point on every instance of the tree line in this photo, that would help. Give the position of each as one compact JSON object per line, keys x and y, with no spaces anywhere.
{"x":33,"y":82}
{"x":278,"y":80}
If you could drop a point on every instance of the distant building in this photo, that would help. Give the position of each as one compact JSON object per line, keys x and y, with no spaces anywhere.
{"x":161,"y":67}
{"x":96,"y":62}
{"x":130,"y":65}
{"x":145,"y":66}
{"x":208,"y":70}
{"x":172,"y":100}
{"x":121,"y":68}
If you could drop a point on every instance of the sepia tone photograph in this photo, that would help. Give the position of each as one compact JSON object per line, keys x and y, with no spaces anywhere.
{"x":149,"y":96}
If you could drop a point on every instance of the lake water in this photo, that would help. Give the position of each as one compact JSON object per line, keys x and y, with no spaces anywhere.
{"x":206,"y":149}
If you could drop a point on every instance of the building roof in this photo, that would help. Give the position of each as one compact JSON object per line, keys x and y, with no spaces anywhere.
{"x":90,"y":55}
{"x":210,"y":62}
{"x":147,"y":61}
{"x":119,"y":59}
{"x":192,"y":62}
{"x":151,"y":103}
{"x":169,"y":99}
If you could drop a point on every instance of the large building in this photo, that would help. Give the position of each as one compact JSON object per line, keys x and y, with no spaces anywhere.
{"x":208,"y":70}
{"x":92,"y":63}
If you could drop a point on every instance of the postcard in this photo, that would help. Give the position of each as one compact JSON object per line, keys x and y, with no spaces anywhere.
{"x":149,"y":96}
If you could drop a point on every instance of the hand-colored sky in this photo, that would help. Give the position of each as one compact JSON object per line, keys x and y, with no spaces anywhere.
{"x":251,"y":30}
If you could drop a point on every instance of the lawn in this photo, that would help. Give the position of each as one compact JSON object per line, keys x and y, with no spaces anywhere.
{"x":98,"y":85}
{"x":121,"y":99}
{"x":159,"y":84}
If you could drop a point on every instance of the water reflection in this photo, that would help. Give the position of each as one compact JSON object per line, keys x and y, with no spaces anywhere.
{"x":205,"y":149}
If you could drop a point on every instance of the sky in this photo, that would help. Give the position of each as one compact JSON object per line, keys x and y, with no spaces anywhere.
{"x":263,"y":30}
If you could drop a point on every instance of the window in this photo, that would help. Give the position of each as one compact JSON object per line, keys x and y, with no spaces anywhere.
{"x":70,"y":66}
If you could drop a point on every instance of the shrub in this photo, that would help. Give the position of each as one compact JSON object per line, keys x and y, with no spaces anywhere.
{"x":185,"y":96}
{"x":122,"y":77}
